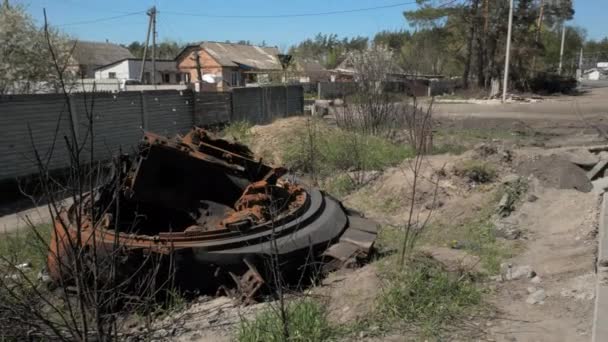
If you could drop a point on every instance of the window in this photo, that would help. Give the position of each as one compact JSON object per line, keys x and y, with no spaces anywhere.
{"x":111,"y":75}
{"x":178,"y":78}
{"x":167,"y":78}
{"x":146,"y":77}
{"x":187,"y":77}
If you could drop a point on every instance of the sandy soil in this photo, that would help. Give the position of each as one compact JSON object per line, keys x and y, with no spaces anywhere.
{"x":561,"y":228}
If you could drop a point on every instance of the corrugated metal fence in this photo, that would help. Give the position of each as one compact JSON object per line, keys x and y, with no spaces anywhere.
{"x":40,"y":122}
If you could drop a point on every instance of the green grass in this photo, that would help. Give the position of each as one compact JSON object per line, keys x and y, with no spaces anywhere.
{"x":340,"y":185}
{"x":425,"y":299}
{"x":306,"y":322}
{"x":337,"y":151}
{"x":238,"y":131}
{"x":477,"y":235}
{"x":26,"y":245}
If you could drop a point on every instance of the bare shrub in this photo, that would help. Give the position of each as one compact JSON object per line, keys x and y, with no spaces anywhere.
{"x":370,"y":109}
{"x":93,"y":283}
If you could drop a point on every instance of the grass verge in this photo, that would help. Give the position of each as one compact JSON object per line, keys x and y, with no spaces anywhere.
{"x":26,"y":245}
{"x":306,"y":322}
{"x":425,"y":299}
{"x":238,"y":131}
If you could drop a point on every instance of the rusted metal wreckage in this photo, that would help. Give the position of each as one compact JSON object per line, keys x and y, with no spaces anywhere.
{"x":218,"y":210}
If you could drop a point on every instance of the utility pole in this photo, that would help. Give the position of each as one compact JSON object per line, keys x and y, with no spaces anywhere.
{"x":579,"y":71}
{"x":505,"y":81}
{"x":143,"y":61}
{"x":197,"y":59}
{"x":153,"y":15}
{"x":561,"y":50}
{"x":486,"y":14}
{"x":539,"y":29}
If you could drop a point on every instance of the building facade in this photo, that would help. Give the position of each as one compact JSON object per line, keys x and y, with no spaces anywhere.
{"x":214,"y":66}
{"x":130,"y":69}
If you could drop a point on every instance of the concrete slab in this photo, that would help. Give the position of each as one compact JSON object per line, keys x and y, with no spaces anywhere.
{"x":20,"y":220}
{"x":600,"y":185}
{"x":359,"y":238}
{"x":363,"y":224}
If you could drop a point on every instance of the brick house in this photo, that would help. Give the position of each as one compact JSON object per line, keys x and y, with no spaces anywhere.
{"x":231,"y":65}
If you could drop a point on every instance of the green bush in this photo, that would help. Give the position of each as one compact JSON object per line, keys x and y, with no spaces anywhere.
{"x":427,"y":297}
{"x":306,"y":321}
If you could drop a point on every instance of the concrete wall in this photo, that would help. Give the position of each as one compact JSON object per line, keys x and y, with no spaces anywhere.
{"x":40,"y":122}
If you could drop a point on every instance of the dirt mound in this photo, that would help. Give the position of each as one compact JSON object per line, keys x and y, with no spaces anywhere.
{"x":390,"y":194}
{"x":556,"y":172}
{"x":268,"y":141}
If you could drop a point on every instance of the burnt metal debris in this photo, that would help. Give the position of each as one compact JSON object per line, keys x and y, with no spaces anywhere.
{"x":217,"y":210}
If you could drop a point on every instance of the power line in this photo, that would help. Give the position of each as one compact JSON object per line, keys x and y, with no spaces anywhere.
{"x":93,"y":21}
{"x":292,"y":15}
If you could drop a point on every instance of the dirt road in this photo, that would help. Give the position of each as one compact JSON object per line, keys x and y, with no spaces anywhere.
{"x":592,"y":102}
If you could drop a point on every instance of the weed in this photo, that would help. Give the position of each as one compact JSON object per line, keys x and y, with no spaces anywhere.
{"x":306,"y":321}
{"x":476,"y":171}
{"x":339,"y":150}
{"x":238,"y":131}
{"x":340,"y":185}
{"x":476,"y":235}
{"x":24,"y":246}
{"x":426,"y":297}
{"x":513,"y":191}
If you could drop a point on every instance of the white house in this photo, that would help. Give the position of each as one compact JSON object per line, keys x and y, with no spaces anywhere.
{"x":130,"y":69}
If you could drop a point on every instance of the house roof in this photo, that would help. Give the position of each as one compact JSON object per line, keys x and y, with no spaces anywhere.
{"x":240,"y":55}
{"x":308,"y":66}
{"x":99,"y":53}
{"x":160,"y":63}
{"x":311,"y":68}
{"x":347,"y":67}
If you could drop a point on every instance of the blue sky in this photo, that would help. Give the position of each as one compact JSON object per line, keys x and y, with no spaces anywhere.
{"x":279,"y":31}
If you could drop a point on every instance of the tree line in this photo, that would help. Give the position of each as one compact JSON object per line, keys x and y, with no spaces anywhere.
{"x":468,"y":39}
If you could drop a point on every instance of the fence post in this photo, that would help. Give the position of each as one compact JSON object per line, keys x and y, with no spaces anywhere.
{"x":74,"y":115}
{"x":319,"y":90}
{"x":286,"y":101}
{"x":231,"y":105}
{"x":191,"y":98}
{"x":144,"y":110}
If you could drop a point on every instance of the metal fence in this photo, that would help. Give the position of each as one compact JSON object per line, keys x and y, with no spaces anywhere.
{"x":40,"y":122}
